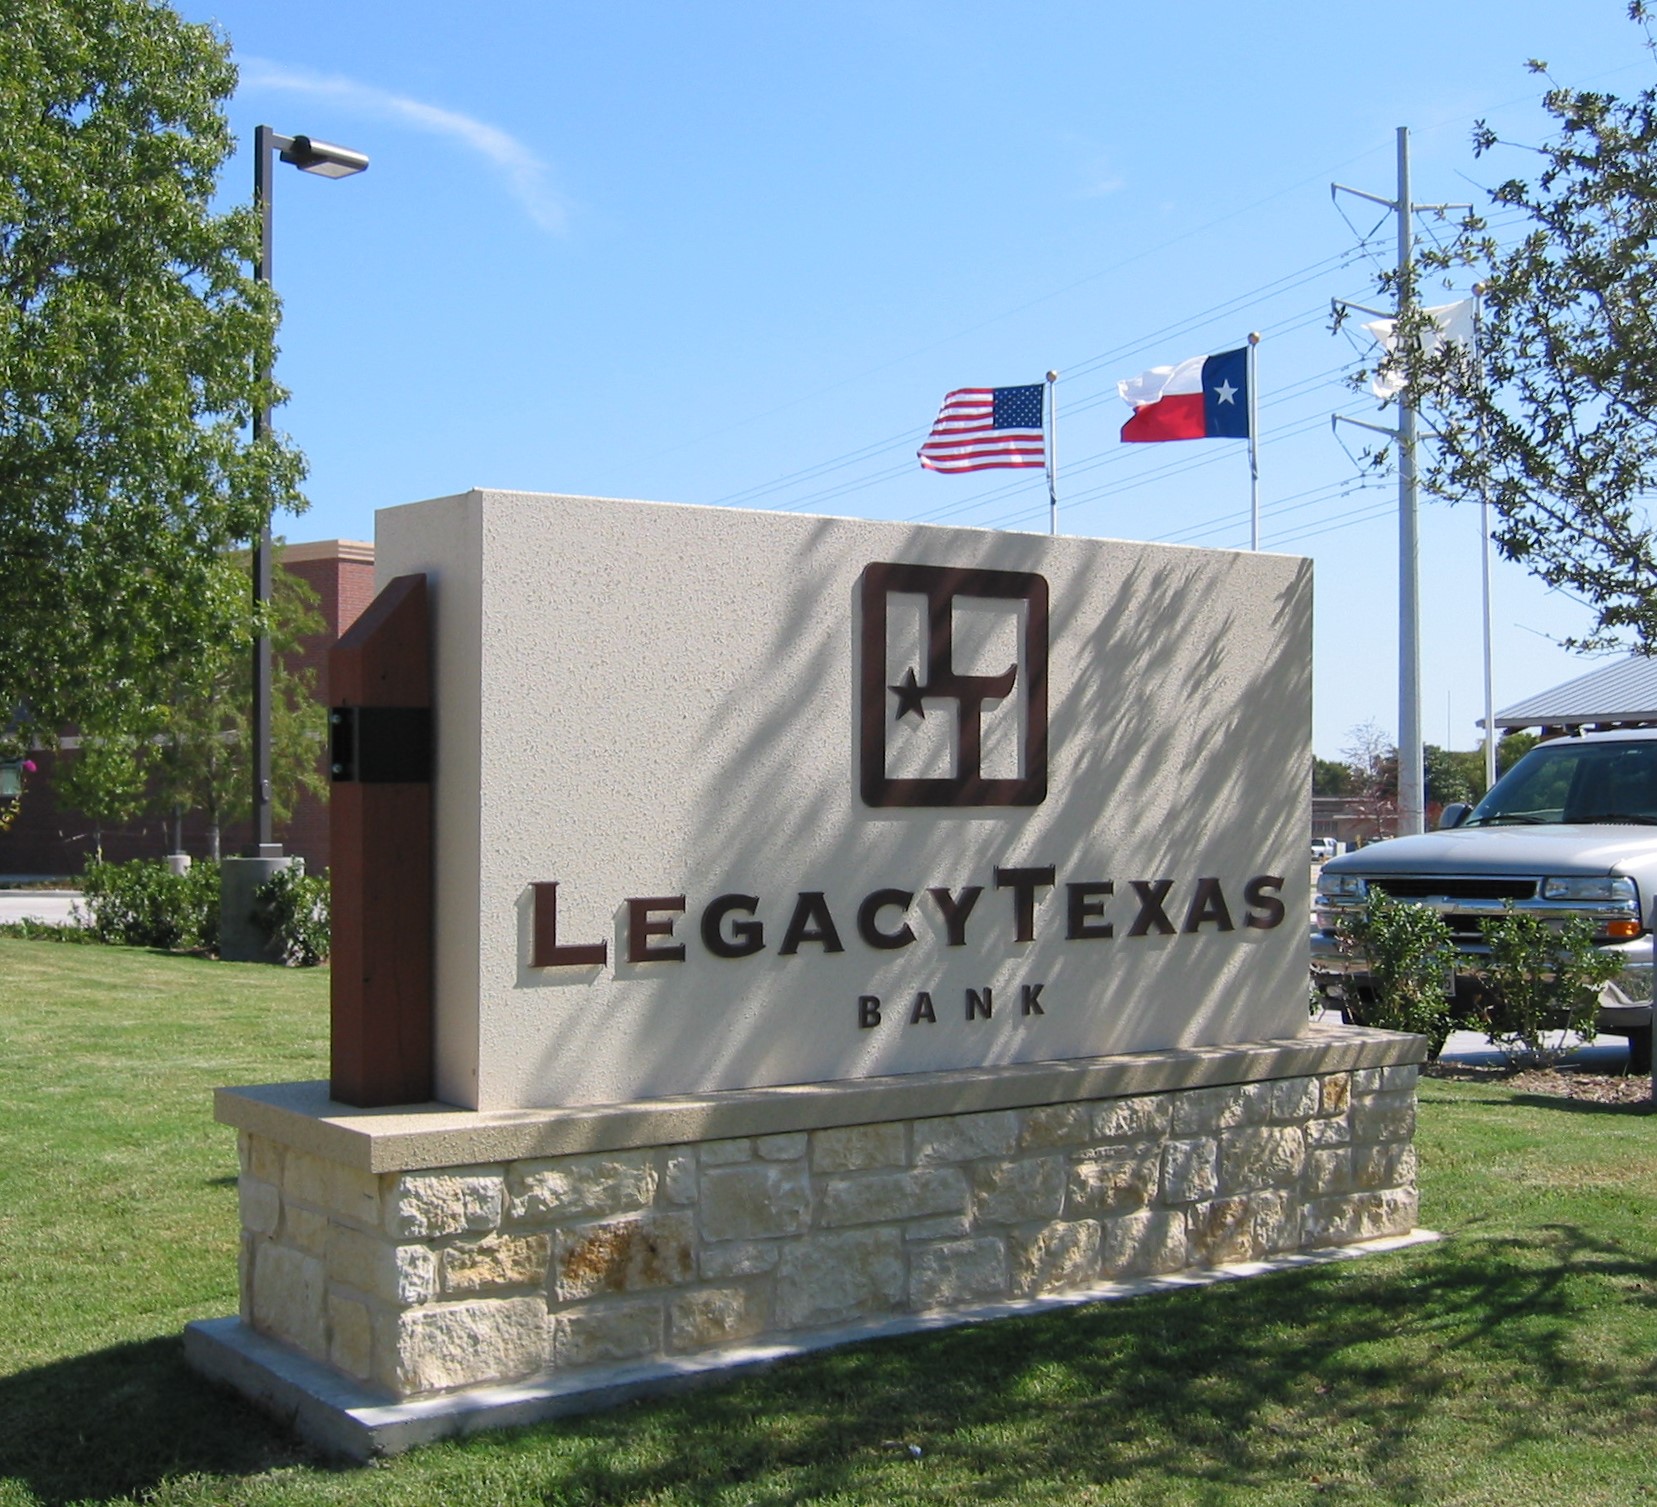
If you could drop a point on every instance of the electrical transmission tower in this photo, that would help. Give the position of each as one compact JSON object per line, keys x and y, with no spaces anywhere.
{"x":1412,"y":805}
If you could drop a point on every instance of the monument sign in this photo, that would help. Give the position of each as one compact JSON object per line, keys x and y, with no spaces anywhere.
{"x":803,"y":928}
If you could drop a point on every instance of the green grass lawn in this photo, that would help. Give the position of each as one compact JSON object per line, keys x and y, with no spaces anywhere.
{"x":1516,"y":1362}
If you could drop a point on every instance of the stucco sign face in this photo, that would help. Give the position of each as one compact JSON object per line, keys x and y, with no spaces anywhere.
{"x":733,"y":799}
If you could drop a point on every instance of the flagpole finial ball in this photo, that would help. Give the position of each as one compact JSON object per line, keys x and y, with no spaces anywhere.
{"x":1052,"y":376}
{"x":1254,"y":337}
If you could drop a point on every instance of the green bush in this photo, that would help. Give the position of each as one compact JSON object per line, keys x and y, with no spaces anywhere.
{"x":144,"y":904}
{"x":30,"y":930}
{"x":1539,"y":979}
{"x":1411,"y":960}
{"x":293,"y":909}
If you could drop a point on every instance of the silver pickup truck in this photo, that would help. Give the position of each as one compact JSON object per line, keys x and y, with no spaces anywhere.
{"x":1570,"y":830}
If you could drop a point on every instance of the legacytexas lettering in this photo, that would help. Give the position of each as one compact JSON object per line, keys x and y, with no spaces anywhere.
{"x":731,"y":926}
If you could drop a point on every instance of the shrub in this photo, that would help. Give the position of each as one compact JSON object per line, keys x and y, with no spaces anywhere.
{"x":30,"y":930}
{"x":1541,"y":978}
{"x":144,"y":904}
{"x":293,"y":909}
{"x":1411,"y":960}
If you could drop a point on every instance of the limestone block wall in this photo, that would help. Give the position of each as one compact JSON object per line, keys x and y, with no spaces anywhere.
{"x":423,"y":1280}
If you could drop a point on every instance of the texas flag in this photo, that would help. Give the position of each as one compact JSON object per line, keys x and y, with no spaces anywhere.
{"x":1205,"y":398}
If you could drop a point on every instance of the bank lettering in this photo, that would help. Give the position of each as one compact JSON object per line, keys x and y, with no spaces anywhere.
{"x":979,"y":1005}
{"x":732,"y":926}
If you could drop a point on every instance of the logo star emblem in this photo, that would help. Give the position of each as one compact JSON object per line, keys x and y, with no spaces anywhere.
{"x":1225,"y":392}
{"x":908,"y":691}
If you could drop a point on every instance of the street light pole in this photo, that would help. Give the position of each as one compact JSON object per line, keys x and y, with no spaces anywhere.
{"x":263,"y":843}
{"x":327,"y":161}
{"x":239,"y":940}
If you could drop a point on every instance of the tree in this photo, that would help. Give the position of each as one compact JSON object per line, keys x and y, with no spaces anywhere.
{"x":199,"y":750}
{"x":1331,"y":777}
{"x":132,"y":336}
{"x":1512,"y":747}
{"x":1373,"y":760}
{"x":1555,"y":417}
{"x":105,"y":779}
{"x":190,"y":753}
{"x":1453,"y":775}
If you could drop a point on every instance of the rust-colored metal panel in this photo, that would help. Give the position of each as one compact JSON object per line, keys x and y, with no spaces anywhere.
{"x":381,"y":993}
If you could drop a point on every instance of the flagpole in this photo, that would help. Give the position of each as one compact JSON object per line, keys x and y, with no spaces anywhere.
{"x":1484,"y":532}
{"x":1052,"y":453}
{"x":1254,"y":444}
{"x":1411,"y":780}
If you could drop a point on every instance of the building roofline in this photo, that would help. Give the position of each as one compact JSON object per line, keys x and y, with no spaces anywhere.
{"x":353,"y":551}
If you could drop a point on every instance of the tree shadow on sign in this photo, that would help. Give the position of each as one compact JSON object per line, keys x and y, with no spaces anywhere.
{"x":122,"y":1420}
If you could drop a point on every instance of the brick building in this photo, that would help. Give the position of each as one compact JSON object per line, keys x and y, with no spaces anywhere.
{"x":47,"y":841}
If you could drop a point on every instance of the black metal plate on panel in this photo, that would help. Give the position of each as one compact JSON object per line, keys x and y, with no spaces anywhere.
{"x":380,"y":745}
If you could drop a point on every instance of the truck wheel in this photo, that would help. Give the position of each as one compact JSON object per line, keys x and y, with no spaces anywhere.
{"x":1639,"y":1050}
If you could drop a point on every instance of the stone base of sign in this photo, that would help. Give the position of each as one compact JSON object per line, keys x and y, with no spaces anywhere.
{"x":407,"y":1273}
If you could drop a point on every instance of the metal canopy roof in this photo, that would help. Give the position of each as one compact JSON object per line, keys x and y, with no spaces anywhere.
{"x":1623,"y":691}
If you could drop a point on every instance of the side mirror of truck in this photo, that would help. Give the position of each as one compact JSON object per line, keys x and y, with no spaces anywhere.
{"x":1453,"y":815}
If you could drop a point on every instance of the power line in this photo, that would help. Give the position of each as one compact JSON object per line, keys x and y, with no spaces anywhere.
{"x":876,"y":447}
{"x":1115,"y":455}
{"x":1086,"y":402}
{"x":1295,"y":503}
{"x":1275,"y":287}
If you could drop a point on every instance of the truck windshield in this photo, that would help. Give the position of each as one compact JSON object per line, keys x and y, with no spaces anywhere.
{"x":1576,"y":782}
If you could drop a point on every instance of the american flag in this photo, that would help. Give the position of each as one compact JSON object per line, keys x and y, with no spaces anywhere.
{"x":979,"y":428}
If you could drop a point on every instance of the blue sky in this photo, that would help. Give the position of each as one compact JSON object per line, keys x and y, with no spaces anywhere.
{"x":737,"y":252}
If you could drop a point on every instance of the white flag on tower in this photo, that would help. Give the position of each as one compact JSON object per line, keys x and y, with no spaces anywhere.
{"x":1452,"y":325}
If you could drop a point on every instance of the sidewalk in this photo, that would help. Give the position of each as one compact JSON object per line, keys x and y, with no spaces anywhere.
{"x":37,"y":905}
{"x":1606,"y":1054}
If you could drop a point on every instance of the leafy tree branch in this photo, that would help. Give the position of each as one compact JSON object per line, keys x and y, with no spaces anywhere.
{"x":1554,"y":417}
{"x":132,"y":336}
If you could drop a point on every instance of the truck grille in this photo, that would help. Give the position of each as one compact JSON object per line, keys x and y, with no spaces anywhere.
{"x":1404,"y":888}
{"x":1464,"y":929}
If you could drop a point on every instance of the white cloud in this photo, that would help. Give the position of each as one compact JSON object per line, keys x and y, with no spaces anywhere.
{"x":1102,"y":182}
{"x":525,"y":174}
{"x":1093,"y":170}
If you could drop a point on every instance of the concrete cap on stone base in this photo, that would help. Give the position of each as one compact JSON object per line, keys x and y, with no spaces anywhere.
{"x":409,"y":1138}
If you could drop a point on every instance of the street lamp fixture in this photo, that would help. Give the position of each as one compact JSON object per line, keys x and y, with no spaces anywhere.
{"x":326,"y":161}
{"x":320,"y":157}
